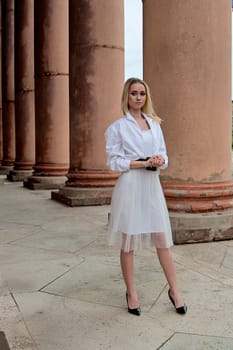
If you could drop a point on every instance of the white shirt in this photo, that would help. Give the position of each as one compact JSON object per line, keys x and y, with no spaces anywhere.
{"x":148,"y":142}
{"x":124,"y":142}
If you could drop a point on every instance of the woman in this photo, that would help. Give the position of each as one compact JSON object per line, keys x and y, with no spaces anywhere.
{"x":139,"y":216}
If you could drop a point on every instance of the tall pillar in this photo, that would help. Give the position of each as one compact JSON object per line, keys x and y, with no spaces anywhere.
{"x":24,"y":90}
{"x":187,"y":63}
{"x":1,"y":152}
{"x":51,"y":94}
{"x":8,"y":97}
{"x":96,"y":80}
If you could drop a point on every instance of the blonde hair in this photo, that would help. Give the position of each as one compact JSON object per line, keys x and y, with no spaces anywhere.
{"x":148,"y":108}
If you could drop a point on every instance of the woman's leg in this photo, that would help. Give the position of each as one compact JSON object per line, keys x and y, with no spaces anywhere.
{"x":127,"y":267}
{"x":167,"y":263}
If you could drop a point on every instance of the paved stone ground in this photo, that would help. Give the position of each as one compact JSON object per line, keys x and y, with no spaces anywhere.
{"x":61,"y":286}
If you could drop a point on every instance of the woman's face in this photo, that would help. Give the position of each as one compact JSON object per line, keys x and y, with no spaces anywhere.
{"x":137,"y":96}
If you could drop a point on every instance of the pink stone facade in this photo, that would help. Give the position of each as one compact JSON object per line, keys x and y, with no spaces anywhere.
{"x":190,"y":79}
{"x":24,"y":91}
{"x":8,"y":87}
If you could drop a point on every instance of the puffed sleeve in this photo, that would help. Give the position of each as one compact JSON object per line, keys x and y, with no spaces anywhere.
{"x":162,"y":149}
{"x":116,"y":159}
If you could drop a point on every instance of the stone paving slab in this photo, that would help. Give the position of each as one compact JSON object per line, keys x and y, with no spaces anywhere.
{"x":193,"y":341}
{"x":12,"y":323}
{"x":11,"y":232}
{"x":61,"y":287}
{"x":209,"y":307}
{"x":83,"y":282}
{"x":69,"y":324}
{"x":30,"y":269}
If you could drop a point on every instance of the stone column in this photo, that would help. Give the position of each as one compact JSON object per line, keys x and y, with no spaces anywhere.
{"x":8,"y":97}
{"x":1,"y":152}
{"x":51,"y":94}
{"x":187,"y":63}
{"x":96,"y":81}
{"x":24,"y":90}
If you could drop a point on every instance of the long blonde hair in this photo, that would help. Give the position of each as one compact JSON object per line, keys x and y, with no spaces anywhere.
{"x":148,"y":108}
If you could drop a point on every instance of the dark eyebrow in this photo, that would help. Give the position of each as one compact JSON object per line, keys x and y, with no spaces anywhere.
{"x":137,"y":91}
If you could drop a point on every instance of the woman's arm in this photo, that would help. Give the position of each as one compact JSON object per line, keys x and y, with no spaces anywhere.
{"x":162,"y":150}
{"x":116,"y":159}
{"x":136,"y":164}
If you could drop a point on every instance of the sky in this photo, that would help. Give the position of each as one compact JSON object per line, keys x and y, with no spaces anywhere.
{"x":133,"y":40}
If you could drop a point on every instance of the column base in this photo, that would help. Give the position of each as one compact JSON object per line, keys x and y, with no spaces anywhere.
{"x":18,"y":175}
{"x":77,"y":197}
{"x":198,"y":197}
{"x":202,"y":227}
{"x":91,"y":178}
{"x":44,"y":182}
{"x":4,"y":169}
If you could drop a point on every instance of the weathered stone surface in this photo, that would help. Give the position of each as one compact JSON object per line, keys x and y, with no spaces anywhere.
{"x":194,"y":341}
{"x":18,"y":175}
{"x":205,"y":227}
{"x":75,"y":197}
{"x":44,"y":182}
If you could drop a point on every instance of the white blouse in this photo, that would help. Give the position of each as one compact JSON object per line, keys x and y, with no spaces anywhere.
{"x":148,"y":142}
{"x":124,"y":142}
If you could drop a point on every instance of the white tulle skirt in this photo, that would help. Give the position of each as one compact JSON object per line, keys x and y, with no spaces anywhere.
{"x":139,"y":216}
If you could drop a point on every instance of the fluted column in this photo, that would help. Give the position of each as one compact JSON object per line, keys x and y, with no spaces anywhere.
{"x":96,"y":81}
{"x":8,"y":97}
{"x":187,"y":63}
{"x":24,"y":90}
{"x":51,"y":94}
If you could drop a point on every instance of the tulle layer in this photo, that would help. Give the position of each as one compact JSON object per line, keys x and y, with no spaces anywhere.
{"x":139,"y":216}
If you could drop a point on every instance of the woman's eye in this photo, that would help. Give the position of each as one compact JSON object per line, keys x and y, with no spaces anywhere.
{"x":135,"y":93}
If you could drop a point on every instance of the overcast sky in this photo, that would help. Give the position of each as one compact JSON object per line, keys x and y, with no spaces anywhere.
{"x":133,"y":38}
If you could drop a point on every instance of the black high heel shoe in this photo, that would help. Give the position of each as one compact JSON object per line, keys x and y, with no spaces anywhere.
{"x":180,"y":310}
{"x":136,"y":311}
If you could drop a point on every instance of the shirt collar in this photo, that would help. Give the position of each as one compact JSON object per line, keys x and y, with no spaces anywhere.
{"x":130,"y":117}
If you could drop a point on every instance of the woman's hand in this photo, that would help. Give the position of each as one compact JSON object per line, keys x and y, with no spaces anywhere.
{"x":148,"y":163}
{"x":154,"y":161}
{"x":157,"y":160}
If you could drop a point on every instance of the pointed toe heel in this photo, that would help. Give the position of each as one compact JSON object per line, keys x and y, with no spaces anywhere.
{"x":180,"y":310}
{"x":136,"y":311}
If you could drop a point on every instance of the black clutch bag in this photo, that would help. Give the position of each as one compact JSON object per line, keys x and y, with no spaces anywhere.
{"x":151,"y":168}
